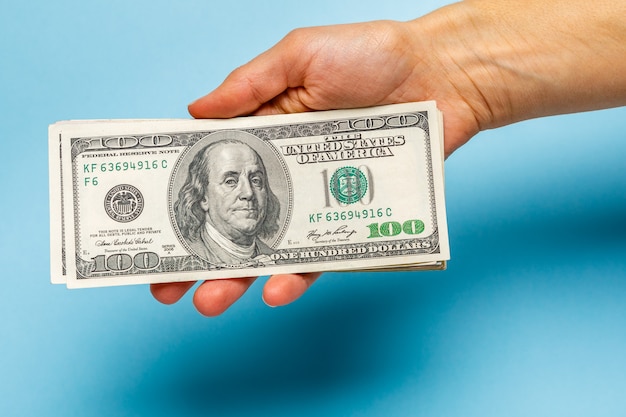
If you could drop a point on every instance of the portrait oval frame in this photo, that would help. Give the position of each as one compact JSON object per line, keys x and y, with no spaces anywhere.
{"x":278,"y":178}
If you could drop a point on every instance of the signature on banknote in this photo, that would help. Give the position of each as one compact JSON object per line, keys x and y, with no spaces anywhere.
{"x":341,"y":233}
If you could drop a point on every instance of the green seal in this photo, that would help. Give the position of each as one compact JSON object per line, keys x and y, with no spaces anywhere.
{"x":348,"y":185}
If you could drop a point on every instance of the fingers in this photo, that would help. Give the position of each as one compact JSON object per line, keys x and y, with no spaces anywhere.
{"x":171,"y":292}
{"x":214,"y":297}
{"x":287,"y":288}
{"x":211,"y":298}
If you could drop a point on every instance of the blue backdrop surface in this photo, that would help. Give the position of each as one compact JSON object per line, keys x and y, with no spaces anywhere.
{"x":529,"y":319}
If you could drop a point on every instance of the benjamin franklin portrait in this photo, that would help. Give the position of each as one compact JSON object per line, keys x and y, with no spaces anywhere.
{"x":226,"y":209}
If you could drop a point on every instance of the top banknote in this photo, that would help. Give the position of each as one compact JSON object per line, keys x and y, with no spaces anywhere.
{"x":150,"y":201}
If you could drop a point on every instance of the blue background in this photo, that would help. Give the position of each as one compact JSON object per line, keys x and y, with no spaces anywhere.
{"x":529,"y":319}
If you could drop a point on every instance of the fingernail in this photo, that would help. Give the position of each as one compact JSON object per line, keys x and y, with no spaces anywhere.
{"x":266,"y":303}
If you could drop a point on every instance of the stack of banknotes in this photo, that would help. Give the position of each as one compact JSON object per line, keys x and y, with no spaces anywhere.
{"x":153,"y":201}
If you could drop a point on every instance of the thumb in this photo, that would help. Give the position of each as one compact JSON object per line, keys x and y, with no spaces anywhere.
{"x":249,"y":87}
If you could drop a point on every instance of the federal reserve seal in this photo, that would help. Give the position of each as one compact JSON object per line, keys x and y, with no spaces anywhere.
{"x":348,"y":185}
{"x":123,"y":203}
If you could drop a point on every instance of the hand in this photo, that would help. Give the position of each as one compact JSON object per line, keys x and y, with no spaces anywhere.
{"x":486,"y":63}
{"x":311,"y":69}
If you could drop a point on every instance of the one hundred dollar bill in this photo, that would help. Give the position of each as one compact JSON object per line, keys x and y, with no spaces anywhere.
{"x":152,"y":201}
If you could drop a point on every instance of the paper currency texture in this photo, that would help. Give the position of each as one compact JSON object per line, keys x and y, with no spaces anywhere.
{"x":145,"y":201}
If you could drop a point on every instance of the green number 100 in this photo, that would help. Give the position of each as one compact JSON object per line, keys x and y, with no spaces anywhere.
{"x":388,"y":229}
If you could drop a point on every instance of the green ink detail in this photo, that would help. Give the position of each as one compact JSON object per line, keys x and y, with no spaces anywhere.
{"x":413,"y":227}
{"x":373,"y":230}
{"x":348,"y":185}
{"x":393,"y":228}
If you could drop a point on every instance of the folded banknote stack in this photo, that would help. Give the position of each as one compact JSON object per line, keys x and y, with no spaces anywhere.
{"x":153,"y":201}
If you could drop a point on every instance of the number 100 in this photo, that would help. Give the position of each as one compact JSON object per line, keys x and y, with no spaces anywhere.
{"x":388,"y":229}
{"x":123,"y":262}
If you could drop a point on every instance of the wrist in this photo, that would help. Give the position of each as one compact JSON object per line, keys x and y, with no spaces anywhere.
{"x":515,"y":61}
